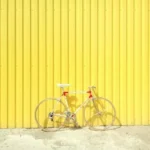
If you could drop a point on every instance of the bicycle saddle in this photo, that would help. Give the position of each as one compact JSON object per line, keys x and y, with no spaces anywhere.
{"x":63,"y":85}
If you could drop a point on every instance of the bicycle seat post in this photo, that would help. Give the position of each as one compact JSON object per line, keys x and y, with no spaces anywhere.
{"x":89,"y":88}
{"x":62,"y":88}
{"x":64,"y":94}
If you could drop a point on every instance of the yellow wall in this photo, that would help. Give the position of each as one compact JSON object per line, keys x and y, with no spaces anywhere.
{"x":82,"y":42}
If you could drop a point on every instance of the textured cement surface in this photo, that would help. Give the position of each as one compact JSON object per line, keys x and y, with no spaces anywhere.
{"x":123,"y":138}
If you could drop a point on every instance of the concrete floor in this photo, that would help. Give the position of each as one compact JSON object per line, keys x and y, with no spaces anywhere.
{"x":124,"y":138}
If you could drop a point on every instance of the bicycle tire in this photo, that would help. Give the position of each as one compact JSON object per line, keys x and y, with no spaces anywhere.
{"x":101,"y":112}
{"x":50,"y":128}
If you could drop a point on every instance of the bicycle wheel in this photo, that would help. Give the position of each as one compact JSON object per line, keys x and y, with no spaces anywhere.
{"x":54,"y":117}
{"x":102,"y":114}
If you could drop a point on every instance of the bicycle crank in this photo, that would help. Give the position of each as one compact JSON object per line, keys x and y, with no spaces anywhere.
{"x":51,"y":115}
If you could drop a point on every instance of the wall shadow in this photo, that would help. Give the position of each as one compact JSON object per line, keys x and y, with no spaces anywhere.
{"x":107,"y":117}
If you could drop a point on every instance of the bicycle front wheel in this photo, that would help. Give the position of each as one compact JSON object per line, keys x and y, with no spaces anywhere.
{"x":100,"y":114}
{"x":49,"y":114}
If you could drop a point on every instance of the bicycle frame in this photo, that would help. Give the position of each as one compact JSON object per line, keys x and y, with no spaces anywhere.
{"x":64,"y":93}
{"x":71,"y":116}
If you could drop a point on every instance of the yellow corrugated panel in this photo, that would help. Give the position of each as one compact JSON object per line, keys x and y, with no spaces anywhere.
{"x":79,"y":53}
{"x":82,"y":42}
{"x":109,"y":51}
{"x":50,"y":51}
{"x":86,"y":46}
{"x":72,"y":47}
{"x":123,"y":62}
{"x":19,"y":64}
{"x":34,"y":59}
{"x":130,"y":63}
{"x":42,"y":56}
{"x":117,"y":77}
{"x":145,"y":62}
{"x":4,"y":64}
{"x":11,"y":49}
{"x":26,"y":63}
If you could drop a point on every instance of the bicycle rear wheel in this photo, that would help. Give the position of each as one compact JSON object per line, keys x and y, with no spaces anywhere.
{"x":102,"y":114}
{"x":53,"y":118}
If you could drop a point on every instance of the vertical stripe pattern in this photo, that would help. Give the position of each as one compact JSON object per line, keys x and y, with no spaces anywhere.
{"x":104,"y":43}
